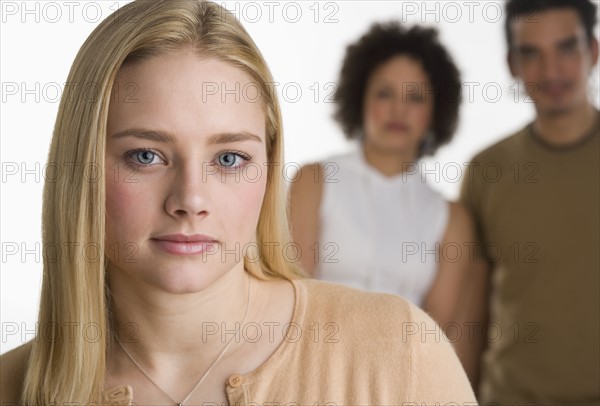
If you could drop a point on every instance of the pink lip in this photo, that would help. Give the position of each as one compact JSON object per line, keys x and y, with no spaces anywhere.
{"x":180,"y":244}
{"x":396,"y":127}
{"x":185,"y":238}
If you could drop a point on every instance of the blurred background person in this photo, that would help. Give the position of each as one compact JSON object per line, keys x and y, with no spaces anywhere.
{"x":538,"y":217}
{"x":367,"y":218}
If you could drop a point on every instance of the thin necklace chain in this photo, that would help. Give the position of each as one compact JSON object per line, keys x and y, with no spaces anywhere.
{"x":182,"y":403}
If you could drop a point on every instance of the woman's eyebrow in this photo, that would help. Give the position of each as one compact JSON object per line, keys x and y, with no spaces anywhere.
{"x":225,"y":138}
{"x":152,"y":135}
{"x":165,"y":137}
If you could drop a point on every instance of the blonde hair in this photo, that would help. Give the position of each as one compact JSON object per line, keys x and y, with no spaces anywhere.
{"x":71,"y":367}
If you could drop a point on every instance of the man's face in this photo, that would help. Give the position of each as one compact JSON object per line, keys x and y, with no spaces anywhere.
{"x":552,"y":56}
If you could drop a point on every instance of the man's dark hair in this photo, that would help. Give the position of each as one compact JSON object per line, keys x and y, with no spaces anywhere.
{"x":526,"y":9}
{"x":381,"y":43}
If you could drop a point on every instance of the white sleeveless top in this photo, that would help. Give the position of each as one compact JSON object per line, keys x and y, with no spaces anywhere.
{"x":379,"y":233}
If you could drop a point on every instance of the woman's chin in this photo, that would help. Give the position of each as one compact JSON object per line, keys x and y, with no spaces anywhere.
{"x":396,"y":146}
{"x":182,"y":281}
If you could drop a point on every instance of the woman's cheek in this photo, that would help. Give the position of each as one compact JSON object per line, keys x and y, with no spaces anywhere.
{"x":423,"y":115}
{"x":247,"y":201}
{"x":125,"y":204}
{"x":375,"y":114}
{"x":118,"y":199}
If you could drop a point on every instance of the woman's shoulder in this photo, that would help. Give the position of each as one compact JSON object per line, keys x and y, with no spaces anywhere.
{"x":387,"y":331}
{"x":381,"y":316}
{"x":12,"y":372}
{"x":326,"y":292}
{"x":424,"y":190}
{"x":352,"y":306}
{"x":320,"y":170}
{"x":345,"y":157}
{"x":311,"y":185}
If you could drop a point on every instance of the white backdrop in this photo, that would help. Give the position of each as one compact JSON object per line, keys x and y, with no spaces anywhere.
{"x":303,"y":42}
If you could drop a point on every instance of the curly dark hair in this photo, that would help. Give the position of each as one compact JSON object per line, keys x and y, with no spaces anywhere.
{"x":527,"y":9}
{"x":381,"y":43}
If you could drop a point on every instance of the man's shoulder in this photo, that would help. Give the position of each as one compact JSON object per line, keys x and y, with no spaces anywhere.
{"x":12,"y":372}
{"x":503,"y":149}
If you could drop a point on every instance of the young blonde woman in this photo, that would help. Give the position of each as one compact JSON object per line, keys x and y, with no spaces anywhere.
{"x":193,"y":300}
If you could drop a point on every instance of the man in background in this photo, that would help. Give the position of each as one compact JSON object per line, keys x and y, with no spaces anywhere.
{"x":535,"y":197}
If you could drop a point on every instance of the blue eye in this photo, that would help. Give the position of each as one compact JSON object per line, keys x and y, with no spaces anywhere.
{"x":232,"y":159}
{"x":143,"y":157}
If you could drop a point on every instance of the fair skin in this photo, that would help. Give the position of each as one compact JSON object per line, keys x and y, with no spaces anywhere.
{"x":177,"y":175}
{"x":553,"y":58}
{"x":397,"y":113}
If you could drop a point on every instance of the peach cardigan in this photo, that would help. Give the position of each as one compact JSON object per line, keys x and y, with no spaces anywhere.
{"x":349,"y":347}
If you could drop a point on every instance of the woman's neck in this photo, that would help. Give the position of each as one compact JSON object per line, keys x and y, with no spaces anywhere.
{"x":168,"y":331}
{"x":177,"y":338}
{"x":388,"y":163}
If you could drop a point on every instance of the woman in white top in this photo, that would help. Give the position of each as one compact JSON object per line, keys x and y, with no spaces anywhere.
{"x":367,"y":218}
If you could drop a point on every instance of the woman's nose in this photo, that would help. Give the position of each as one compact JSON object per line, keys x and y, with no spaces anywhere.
{"x":189,"y":193}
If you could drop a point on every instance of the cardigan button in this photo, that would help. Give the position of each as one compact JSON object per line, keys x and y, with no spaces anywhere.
{"x":235,"y":380}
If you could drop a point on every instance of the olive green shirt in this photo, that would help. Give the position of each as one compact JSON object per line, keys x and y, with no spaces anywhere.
{"x":537,"y":210}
